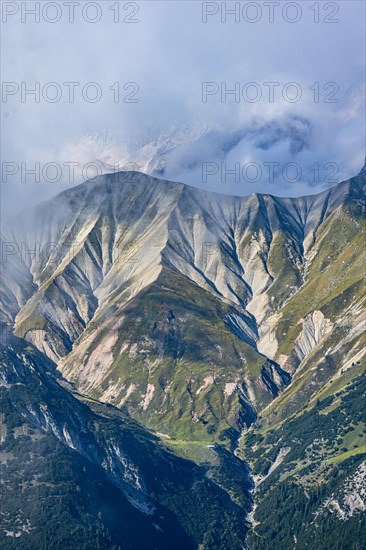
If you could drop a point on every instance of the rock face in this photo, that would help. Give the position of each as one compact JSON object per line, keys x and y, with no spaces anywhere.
{"x":142,"y":289}
{"x":352,"y":497}
{"x":314,"y":328}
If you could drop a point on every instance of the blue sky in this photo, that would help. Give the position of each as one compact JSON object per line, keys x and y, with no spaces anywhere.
{"x":167,"y":59}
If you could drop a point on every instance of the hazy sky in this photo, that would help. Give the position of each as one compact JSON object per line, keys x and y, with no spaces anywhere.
{"x":296,"y":70}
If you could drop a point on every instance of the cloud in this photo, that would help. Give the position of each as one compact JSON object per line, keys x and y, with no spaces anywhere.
{"x":173,"y":129}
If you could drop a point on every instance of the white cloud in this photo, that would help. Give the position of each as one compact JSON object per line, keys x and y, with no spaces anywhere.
{"x":169,"y":54}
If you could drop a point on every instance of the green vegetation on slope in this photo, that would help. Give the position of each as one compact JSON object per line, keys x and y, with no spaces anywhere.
{"x":175,"y":365}
{"x":322,"y":449}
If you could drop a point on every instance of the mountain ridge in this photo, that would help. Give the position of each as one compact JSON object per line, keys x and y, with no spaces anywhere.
{"x":226,"y":326}
{"x":131,"y":176}
{"x":127,"y":230}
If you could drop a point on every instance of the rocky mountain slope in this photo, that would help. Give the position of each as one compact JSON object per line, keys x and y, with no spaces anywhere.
{"x":209,"y":319}
{"x":75,"y":473}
